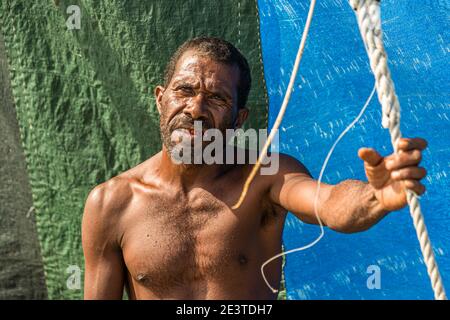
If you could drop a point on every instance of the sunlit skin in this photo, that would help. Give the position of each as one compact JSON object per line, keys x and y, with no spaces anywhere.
{"x":167,"y":231}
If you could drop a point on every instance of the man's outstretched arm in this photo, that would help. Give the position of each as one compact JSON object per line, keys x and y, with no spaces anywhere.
{"x":353,"y":205}
{"x":104,"y":267}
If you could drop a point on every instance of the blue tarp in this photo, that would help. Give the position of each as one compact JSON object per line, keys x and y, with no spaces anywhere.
{"x":333,"y":83}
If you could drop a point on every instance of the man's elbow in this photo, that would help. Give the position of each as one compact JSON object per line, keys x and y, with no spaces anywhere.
{"x":348,"y":225}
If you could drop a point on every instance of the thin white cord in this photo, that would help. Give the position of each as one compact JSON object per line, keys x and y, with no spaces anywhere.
{"x":316,"y":197}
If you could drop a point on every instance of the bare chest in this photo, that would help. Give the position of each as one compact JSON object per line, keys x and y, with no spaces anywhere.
{"x":173,"y":242}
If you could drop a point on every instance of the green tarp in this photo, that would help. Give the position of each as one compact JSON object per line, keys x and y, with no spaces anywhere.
{"x":84,"y":99}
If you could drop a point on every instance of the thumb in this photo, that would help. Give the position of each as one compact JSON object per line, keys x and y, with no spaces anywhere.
{"x":369,"y":155}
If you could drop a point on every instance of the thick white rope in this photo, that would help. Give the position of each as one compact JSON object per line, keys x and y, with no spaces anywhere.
{"x":369,"y":21}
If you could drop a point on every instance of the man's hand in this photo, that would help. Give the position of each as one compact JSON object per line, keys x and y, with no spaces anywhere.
{"x":390,"y":176}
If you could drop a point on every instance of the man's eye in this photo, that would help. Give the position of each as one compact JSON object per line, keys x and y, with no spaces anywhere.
{"x":217,"y":97}
{"x":186,"y":89}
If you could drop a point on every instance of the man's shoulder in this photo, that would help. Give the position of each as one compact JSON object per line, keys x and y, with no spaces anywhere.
{"x":105,"y":205}
{"x":286,"y":164}
{"x":290,"y":163}
{"x":118,"y":191}
{"x":111,"y":196}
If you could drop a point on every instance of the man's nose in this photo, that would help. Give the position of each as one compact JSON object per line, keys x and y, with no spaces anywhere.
{"x":196,"y":107}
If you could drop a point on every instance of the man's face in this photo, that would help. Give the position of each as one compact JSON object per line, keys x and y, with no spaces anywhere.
{"x":202,"y":90}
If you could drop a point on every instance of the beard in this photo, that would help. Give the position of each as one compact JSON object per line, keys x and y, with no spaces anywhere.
{"x":169,"y":130}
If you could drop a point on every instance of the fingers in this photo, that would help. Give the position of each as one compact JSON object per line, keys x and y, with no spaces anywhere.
{"x":407,"y":144}
{"x":415,"y":186}
{"x":370,"y":156}
{"x":403,"y":159}
{"x":408,"y":173}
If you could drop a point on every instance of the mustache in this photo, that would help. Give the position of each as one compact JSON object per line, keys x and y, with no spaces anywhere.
{"x":187,"y":123}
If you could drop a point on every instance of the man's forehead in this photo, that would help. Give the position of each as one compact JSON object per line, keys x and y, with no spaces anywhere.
{"x":193,"y":64}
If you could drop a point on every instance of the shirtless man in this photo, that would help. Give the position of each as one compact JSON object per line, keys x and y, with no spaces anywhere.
{"x":167,"y":231}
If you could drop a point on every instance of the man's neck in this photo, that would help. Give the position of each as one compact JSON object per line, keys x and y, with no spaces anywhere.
{"x":187,"y":175}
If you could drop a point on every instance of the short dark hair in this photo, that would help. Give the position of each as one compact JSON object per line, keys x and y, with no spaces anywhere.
{"x":218,"y":50}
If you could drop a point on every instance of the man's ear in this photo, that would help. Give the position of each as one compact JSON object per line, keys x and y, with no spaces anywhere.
{"x":159,"y":91}
{"x":241,"y":117}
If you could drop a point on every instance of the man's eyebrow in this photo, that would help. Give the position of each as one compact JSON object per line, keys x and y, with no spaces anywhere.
{"x":184,"y":80}
{"x":220,"y":92}
{"x":193,"y":82}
